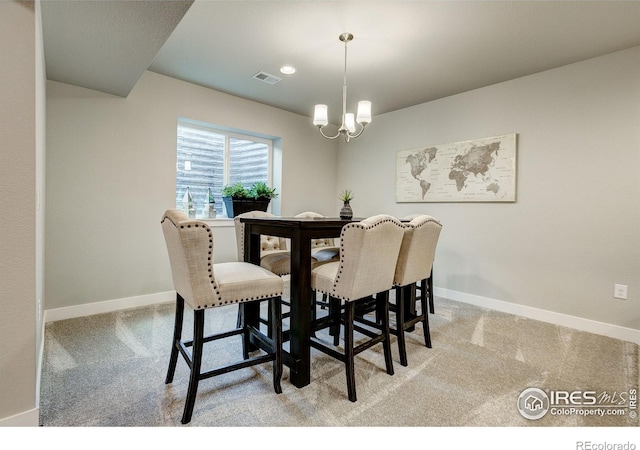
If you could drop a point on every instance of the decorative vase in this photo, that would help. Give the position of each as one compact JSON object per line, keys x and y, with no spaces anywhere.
{"x":187,"y":204}
{"x":346,"y":212}
{"x":212,"y":205}
{"x":211,"y":213}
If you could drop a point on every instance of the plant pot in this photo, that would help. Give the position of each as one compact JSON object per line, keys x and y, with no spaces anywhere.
{"x":235,"y":206}
{"x":346,"y":212}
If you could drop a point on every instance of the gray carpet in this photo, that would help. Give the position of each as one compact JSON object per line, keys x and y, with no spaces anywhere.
{"x":109,"y":369}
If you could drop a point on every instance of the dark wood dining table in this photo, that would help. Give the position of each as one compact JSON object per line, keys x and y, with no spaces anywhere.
{"x":300,"y":231}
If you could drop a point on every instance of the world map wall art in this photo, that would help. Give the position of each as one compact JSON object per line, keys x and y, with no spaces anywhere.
{"x":479,"y":170}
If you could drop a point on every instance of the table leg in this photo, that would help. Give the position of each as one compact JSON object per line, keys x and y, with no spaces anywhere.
{"x":410,"y":304}
{"x":300,"y":349}
{"x":252,"y":309}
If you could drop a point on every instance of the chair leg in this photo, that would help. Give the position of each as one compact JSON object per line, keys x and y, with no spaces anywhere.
{"x":245,"y":335}
{"x":380,"y":306}
{"x":384,"y":307}
{"x":424,"y":288}
{"x":430,"y":289}
{"x":314,"y":305}
{"x":270,"y":315}
{"x":314,"y":311}
{"x":410,"y":311}
{"x":177,"y":336}
{"x":348,"y":350}
{"x":334,"y":313}
{"x":276,"y":327}
{"x":400,"y":318}
{"x":196,"y":361}
{"x":425,"y":322}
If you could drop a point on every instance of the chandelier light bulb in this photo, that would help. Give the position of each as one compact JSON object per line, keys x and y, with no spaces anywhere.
{"x":364,"y":112}
{"x":350,"y":122}
{"x":320,"y":116}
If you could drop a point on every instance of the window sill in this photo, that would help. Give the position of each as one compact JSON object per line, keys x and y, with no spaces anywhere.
{"x":219,"y":222}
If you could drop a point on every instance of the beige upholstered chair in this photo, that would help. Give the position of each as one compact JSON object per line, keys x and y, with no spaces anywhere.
{"x":415,"y":263}
{"x":274,"y":255}
{"x":322,"y":250}
{"x":425,"y":286}
{"x":203,"y":284}
{"x":368,"y":255}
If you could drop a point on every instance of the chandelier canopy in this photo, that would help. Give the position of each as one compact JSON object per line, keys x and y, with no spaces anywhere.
{"x":348,"y":127}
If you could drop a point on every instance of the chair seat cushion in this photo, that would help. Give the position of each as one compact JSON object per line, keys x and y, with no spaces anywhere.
{"x":278,"y":262}
{"x":242,"y":282}
{"x":325,"y":253}
{"x":323,"y":277}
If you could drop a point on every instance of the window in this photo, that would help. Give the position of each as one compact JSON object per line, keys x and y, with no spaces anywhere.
{"x":210,"y":158}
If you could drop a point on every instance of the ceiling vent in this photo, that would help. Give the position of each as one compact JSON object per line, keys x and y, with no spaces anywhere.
{"x":267,"y":78}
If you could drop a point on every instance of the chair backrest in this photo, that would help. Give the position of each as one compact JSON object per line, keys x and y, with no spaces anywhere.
{"x":418,"y":250}
{"x":190,"y":248}
{"x":267,"y":243}
{"x":317,"y":243}
{"x":368,"y":255}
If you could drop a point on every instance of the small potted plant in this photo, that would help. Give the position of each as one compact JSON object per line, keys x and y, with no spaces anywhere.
{"x":346,"y":212}
{"x":238,"y":199}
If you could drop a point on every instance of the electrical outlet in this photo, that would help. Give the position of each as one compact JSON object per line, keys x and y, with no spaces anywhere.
{"x":620,"y":291}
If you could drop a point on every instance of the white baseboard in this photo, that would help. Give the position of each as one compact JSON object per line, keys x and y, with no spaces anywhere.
{"x":578,"y":323}
{"x":26,"y":419}
{"x":70,"y":312}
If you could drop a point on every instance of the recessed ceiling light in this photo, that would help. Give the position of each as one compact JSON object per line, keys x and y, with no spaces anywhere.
{"x":288,"y":70}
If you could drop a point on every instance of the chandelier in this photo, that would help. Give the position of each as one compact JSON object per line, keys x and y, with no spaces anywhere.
{"x":348,"y":127}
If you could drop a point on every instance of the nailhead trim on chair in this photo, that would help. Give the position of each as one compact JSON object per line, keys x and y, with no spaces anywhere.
{"x":209,"y":262}
{"x":210,"y":269}
{"x":426,"y":222}
{"x":352,"y":225}
{"x":431,"y":220}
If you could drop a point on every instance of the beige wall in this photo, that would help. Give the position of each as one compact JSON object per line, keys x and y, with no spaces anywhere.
{"x":111,"y":174}
{"x":575,"y":228}
{"x":570,"y":236}
{"x":18,"y":273}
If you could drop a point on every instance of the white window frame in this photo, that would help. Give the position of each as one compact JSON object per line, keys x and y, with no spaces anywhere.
{"x":222,"y":219}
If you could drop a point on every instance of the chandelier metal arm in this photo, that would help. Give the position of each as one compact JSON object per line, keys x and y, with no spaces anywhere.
{"x":343,"y":131}
{"x":353,"y":136}
{"x":320,"y":127}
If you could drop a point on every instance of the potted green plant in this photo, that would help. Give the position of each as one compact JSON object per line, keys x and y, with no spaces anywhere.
{"x":233,"y":193}
{"x":261,"y":191}
{"x":346,"y":212}
{"x":238,"y":199}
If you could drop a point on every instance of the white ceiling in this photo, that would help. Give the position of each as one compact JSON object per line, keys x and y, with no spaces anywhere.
{"x":105,"y":45}
{"x":404,"y":52}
